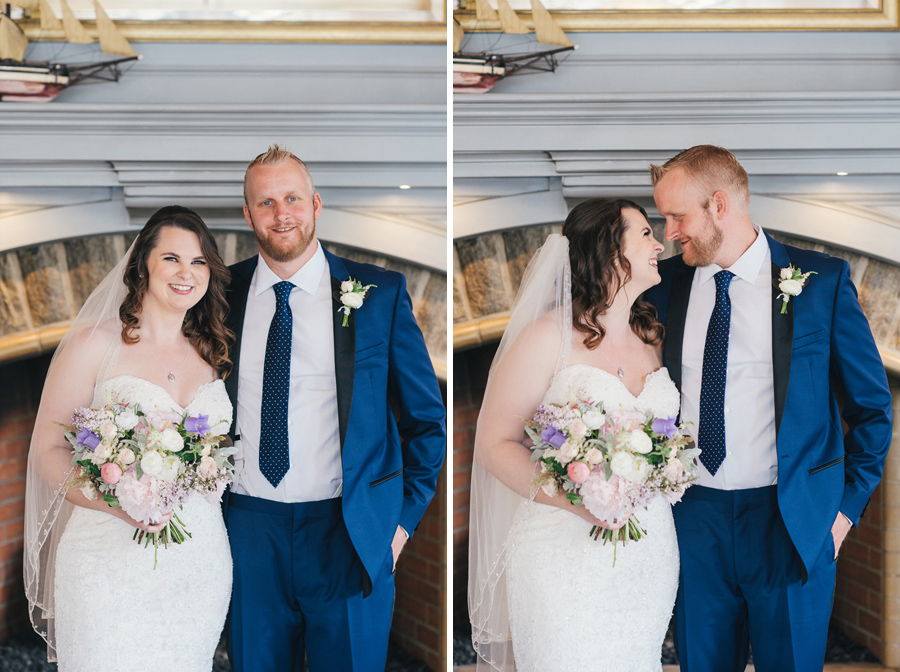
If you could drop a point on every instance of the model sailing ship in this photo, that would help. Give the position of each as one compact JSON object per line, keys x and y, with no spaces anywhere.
{"x":478,"y":72}
{"x":23,"y":81}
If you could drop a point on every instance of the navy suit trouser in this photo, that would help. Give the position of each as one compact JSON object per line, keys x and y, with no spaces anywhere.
{"x":742,"y":586}
{"x":298,"y":589}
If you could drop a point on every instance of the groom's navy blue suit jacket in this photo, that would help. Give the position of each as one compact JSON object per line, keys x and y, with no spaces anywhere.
{"x":822,"y":350}
{"x":381,"y":354}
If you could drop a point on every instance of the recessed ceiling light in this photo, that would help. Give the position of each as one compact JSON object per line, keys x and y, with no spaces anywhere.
{"x":842,"y":174}
{"x":405,"y":186}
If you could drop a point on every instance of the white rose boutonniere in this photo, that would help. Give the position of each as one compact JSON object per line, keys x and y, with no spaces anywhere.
{"x":792,"y":282}
{"x":353,"y":293}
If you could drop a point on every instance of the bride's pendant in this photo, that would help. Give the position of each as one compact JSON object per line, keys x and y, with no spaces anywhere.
{"x":172,"y":376}
{"x":621,"y":374}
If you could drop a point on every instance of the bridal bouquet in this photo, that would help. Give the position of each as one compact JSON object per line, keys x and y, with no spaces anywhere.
{"x":612,"y":463}
{"x":147,"y":463}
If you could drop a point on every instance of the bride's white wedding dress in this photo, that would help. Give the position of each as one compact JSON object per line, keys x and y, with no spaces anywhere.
{"x":113,"y":610}
{"x":569,"y":608}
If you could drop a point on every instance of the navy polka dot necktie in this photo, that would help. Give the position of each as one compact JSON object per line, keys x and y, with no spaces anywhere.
{"x":711,"y":439}
{"x":274,"y":460}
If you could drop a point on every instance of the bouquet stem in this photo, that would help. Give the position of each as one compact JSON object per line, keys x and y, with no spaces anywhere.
{"x":175,"y":532}
{"x":631,"y":531}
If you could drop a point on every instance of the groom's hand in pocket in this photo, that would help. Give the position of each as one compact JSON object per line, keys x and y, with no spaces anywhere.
{"x":839,"y":532}
{"x":400,"y":539}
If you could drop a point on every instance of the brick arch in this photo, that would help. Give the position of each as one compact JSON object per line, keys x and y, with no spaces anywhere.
{"x":42,"y":288}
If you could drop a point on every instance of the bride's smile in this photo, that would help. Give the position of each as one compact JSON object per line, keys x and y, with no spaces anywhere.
{"x":178,"y":274}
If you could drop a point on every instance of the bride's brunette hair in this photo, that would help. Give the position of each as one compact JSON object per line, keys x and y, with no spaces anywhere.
{"x":204,"y":323}
{"x":595,"y":229}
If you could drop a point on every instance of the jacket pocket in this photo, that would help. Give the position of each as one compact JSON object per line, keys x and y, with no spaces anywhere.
{"x":371,"y":351}
{"x":821,"y":467}
{"x":806,"y":339}
{"x":389,"y":477}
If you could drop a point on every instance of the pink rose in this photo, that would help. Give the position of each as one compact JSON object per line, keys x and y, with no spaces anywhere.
{"x":578,"y":471}
{"x":111,"y":473}
{"x":207,"y":468}
{"x":674,"y":470}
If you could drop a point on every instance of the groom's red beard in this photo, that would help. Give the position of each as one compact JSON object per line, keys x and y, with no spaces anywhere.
{"x":702,"y":249}
{"x":281,"y":253}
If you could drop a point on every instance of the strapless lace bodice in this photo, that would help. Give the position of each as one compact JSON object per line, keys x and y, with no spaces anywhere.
{"x":209,"y":399}
{"x":113,"y":610}
{"x":659,"y":398}
{"x":570,"y":609}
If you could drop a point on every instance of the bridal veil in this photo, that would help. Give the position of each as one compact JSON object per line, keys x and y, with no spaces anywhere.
{"x":84,"y":358}
{"x":544,"y":294}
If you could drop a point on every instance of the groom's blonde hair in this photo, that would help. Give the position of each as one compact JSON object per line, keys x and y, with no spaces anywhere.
{"x":274,"y":155}
{"x":712,"y":169}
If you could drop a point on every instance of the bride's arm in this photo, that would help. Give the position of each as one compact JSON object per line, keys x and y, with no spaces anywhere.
{"x":70,"y":385}
{"x":517,"y":388}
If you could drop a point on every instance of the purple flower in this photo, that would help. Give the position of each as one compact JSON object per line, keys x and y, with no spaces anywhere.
{"x":198,"y":425}
{"x":88,"y":439}
{"x":553,"y":436}
{"x":664,"y":426}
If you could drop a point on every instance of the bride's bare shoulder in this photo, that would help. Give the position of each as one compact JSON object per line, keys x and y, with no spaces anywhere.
{"x":90,"y":344}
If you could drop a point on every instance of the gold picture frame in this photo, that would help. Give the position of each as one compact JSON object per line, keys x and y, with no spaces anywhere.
{"x":885,"y":17}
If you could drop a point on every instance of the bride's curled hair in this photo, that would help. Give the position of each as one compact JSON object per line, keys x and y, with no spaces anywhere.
{"x":204,"y":323}
{"x":595,"y":229}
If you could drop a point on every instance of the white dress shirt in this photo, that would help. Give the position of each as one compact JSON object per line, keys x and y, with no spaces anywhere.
{"x":751,"y":458}
{"x":314,"y":443}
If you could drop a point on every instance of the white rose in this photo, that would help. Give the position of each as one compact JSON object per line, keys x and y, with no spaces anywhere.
{"x":550,"y":489}
{"x":127,"y":420}
{"x":639,"y":442}
{"x":641,"y":470}
{"x":207,"y":468}
{"x":101,"y":453}
{"x":594,"y":456}
{"x":594,"y":419}
{"x":108,"y":430}
{"x":152,"y":463}
{"x":577,"y":429}
{"x":89,"y":491}
{"x":567,"y":452}
{"x":126,"y":457}
{"x":352,"y":300}
{"x":171,"y":440}
{"x":787,"y":273}
{"x":622,"y":464}
{"x":170,"y":467}
{"x":347,"y":286}
{"x":791,"y":287}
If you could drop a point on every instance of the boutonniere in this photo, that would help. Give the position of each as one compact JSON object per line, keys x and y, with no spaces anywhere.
{"x":791,"y":283}
{"x":353,"y":293}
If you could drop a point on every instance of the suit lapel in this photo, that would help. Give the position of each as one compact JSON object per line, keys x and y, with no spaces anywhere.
{"x":782,"y":332}
{"x":237,"y":294}
{"x":676,"y":312}
{"x":344,"y":345}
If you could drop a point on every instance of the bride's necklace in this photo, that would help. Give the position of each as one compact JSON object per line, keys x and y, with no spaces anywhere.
{"x":621,"y":369}
{"x":172,"y":372}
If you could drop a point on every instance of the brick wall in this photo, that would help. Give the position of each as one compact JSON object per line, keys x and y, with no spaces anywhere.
{"x":470,"y":370}
{"x":20,"y":388}
{"x":420,"y":607}
{"x":858,"y":596}
{"x":420,"y":613}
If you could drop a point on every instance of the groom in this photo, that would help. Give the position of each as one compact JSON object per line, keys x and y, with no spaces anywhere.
{"x":760,"y":369}
{"x":328,"y":491}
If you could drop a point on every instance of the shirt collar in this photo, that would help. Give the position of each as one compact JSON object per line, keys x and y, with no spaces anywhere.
{"x":307,"y":278}
{"x":748,"y":265}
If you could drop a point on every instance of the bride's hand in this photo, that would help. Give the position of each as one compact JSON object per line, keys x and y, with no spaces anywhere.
{"x":593,"y":520}
{"x":144,"y":526}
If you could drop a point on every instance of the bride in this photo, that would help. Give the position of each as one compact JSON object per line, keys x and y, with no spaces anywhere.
{"x":543,"y":595}
{"x":151,"y":333}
